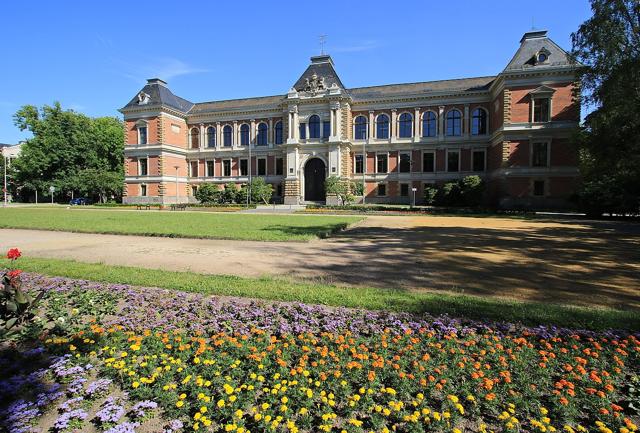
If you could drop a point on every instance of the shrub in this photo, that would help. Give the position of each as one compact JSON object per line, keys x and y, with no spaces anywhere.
{"x":430,"y":193}
{"x":208,"y":193}
{"x":468,"y":191}
{"x":607,"y":195}
{"x":229,"y":193}
{"x":340,"y":188}
{"x":357,"y":188}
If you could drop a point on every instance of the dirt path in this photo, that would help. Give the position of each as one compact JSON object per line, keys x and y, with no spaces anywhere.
{"x":584,"y":263}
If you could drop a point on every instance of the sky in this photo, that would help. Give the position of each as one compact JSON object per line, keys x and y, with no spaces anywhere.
{"x":93,"y":57}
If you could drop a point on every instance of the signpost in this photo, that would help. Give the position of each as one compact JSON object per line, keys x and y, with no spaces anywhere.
{"x":413,"y":201}
{"x":52,"y":189}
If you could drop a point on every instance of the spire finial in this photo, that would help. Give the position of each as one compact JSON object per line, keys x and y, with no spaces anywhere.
{"x":323,"y":40}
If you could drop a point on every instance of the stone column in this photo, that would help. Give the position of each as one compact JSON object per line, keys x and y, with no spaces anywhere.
{"x":338,"y":122}
{"x":202,"y":136}
{"x":394,"y":126}
{"x":465,"y":123}
{"x":218,"y":135}
{"x":234,"y":140}
{"x":306,"y":129}
{"x":441,"y":123}
{"x":271,"y":133}
{"x":416,"y":124}
{"x":296,"y":125}
{"x":252,"y":132}
{"x":372,"y":120}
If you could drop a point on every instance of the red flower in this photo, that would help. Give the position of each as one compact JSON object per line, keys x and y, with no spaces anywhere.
{"x":13,"y":274}
{"x":13,"y":254}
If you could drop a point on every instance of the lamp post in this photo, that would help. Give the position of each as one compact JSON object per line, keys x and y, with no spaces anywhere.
{"x":364,"y":168}
{"x":249,"y":169}
{"x":177,"y":194}
{"x":413,"y":201}
{"x":52,"y":189}
{"x":5,"y":180}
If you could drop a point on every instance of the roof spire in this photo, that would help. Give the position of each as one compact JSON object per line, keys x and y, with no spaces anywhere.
{"x":323,"y":40}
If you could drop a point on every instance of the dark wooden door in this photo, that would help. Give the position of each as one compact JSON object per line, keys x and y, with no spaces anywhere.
{"x":314,"y":173}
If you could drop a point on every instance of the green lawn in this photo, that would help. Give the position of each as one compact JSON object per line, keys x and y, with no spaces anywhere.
{"x":258,"y":227}
{"x":370,"y":298}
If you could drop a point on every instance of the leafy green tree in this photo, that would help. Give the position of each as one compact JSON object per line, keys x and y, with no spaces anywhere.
{"x":340,"y":188}
{"x":229,"y":193}
{"x":607,"y":47}
{"x":71,"y":151}
{"x":429,"y":194}
{"x":209,"y":193}
{"x":261,"y":191}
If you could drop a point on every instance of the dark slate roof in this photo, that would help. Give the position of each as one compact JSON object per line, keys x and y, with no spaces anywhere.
{"x":424,"y":88}
{"x":238,"y":104}
{"x":7,"y":145}
{"x":530,"y":44}
{"x":322,"y":66}
{"x":160,"y":94}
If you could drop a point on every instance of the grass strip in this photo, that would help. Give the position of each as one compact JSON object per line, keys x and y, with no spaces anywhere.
{"x":278,"y":289}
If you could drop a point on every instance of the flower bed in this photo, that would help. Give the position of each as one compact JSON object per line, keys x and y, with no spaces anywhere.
{"x":232,"y":365}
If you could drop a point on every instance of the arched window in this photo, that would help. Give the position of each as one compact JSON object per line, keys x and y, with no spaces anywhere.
{"x":244,"y":135}
{"x":405,"y":124}
{"x":195,"y":138}
{"x":429,"y":124}
{"x":454,"y":123}
{"x":360,"y":128}
{"x":478,"y":122}
{"x":278,"y":133}
{"x":227,"y":136}
{"x":211,"y":136}
{"x":382,"y":126}
{"x":314,"y":126}
{"x":263,"y":130}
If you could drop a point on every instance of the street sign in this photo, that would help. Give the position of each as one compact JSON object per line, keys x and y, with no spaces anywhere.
{"x":52,"y":189}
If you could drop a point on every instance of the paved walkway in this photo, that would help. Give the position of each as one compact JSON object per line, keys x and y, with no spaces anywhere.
{"x":587,"y":263}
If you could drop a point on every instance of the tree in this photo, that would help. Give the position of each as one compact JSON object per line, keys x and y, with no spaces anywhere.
{"x":209,"y":193}
{"x":335,"y":186}
{"x":261,"y":191}
{"x":229,"y":193}
{"x":71,"y":151}
{"x":607,"y":47}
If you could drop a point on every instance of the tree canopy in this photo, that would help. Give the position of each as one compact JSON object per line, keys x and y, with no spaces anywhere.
{"x":607,"y":47}
{"x":71,"y":151}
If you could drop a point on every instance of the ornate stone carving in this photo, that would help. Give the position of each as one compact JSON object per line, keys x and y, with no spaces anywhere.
{"x":315,"y":84}
{"x":143,"y":98}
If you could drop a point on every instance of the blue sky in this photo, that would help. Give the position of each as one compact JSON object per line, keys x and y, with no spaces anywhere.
{"x":95,"y":56}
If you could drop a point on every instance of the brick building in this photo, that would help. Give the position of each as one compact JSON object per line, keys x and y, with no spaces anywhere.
{"x":512,"y":129}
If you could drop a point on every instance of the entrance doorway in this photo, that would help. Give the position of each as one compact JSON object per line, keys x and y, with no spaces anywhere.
{"x":314,"y":175}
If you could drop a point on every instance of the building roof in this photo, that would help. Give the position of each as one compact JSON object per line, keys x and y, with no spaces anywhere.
{"x":159,"y":94}
{"x":423,"y":88}
{"x":7,"y":145}
{"x":533,"y":43}
{"x":321,"y":66}
{"x":237,"y":104}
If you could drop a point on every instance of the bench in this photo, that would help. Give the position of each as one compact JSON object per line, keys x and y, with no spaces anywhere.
{"x":143,"y":207}
{"x":180,"y":206}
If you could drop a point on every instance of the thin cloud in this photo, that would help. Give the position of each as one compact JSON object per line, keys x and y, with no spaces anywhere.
{"x":357,"y":47}
{"x":165,"y":68}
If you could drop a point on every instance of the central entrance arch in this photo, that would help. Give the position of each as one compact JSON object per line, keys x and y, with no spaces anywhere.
{"x":314,"y":175}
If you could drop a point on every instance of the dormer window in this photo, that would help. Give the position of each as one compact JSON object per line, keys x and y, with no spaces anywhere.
{"x":542,"y":56}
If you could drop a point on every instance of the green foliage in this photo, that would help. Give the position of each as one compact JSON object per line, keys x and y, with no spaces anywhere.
{"x":70,"y":151}
{"x":261,"y":191}
{"x":468,"y":191}
{"x":340,"y":188}
{"x":229,"y":193}
{"x":209,"y":193}
{"x":429,"y":195}
{"x":608,"y":47}
{"x":357,"y":188}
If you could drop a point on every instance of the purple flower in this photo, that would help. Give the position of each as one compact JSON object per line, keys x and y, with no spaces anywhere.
{"x":110,"y":412}
{"x":173,"y":426}
{"x":125,"y":427}
{"x":63,"y":422}
{"x":140,"y":409}
{"x":98,"y":387}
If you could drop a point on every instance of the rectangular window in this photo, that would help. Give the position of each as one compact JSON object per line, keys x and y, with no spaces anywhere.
{"x":143,"y":190}
{"x":382,"y":163}
{"x":262,"y":166}
{"x":210,"y":168}
{"x":142,"y":135}
{"x":279,"y":166}
{"x":226,"y":167}
{"x":405,"y":162}
{"x":539,"y":155}
{"x":326,"y":129}
{"x":244,"y":167}
{"x":382,"y":189}
{"x":478,"y":160}
{"x":303,"y":131}
{"x":453,"y":161}
{"x":359,"y":167}
{"x":538,"y":188}
{"x":404,"y":190}
{"x":143,"y":167}
{"x":541,"y":109}
{"x":428,"y":162}
{"x":193,"y":165}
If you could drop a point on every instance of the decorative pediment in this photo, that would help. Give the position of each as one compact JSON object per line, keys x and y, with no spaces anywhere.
{"x":314,"y":84}
{"x":542,"y":91}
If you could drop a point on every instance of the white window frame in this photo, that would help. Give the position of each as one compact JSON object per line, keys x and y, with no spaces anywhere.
{"x":355,"y":155}
{"x":484,"y":151}
{"x":142,"y":124}
{"x":479,"y":107}
{"x":388,"y":125}
{"x":433,"y":152}
{"x":447,"y":160}
{"x":533,"y":102}
{"x":540,"y":141}
{"x":421,"y":124}
{"x":366,"y":132}
{"x":191,"y":168}
{"x":413,"y":124}
{"x":215,"y":136}
{"x":191,"y":137}
{"x":266,"y":169}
